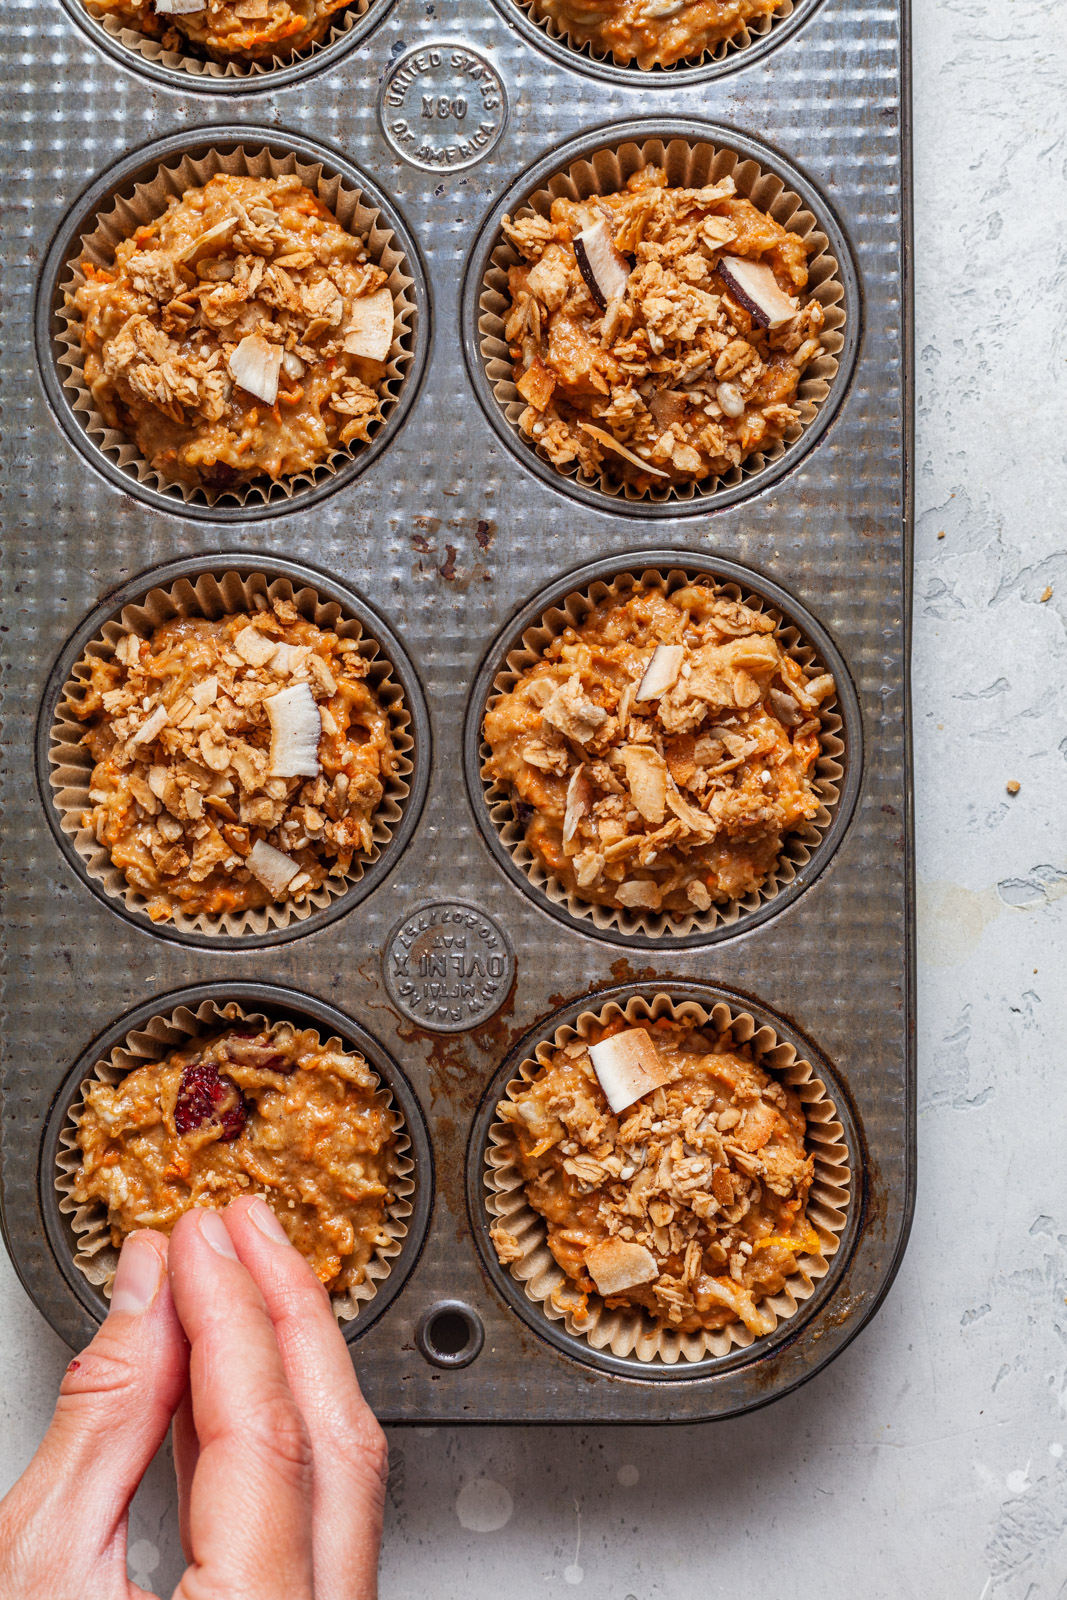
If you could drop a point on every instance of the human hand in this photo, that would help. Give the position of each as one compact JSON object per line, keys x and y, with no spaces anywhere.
{"x":280,"y":1463}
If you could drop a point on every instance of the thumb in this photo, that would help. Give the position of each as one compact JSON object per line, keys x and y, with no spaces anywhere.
{"x":118,"y":1396}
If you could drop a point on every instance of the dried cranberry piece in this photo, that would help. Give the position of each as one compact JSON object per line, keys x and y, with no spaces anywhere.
{"x":220,"y":475}
{"x":523,"y":812}
{"x":204,"y":1096}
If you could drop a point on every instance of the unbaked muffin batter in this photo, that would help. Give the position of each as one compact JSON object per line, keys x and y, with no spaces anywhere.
{"x":672,"y":802}
{"x":247,"y":1112}
{"x":654,"y":372}
{"x":245,"y":281}
{"x":709,"y":1173}
{"x":181,"y":733}
{"x":654,"y":32}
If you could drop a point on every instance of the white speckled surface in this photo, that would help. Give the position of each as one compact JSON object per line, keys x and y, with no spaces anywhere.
{"x":929,"y":1459}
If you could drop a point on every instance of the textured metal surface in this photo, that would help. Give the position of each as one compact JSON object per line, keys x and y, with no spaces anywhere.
{"x":447,"y":536}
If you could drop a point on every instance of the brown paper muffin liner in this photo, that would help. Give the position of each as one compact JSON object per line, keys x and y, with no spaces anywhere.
{"x":630,"y":1333}
{"x":688,"y":165}
{"x":72,"y":764}
{"x":150,"y":49}
{"x":644,"y":61}
{"x":147,"y":202}
{"x":96,"y":1257}
{"x":797,"y":847}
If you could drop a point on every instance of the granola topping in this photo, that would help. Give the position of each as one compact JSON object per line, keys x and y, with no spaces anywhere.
{"x":226,"y":30}
{"x":653,"y":32}
{"x":188,"y":792}
{"x":661,"y":751}
{"x":225,"y":338}
{"x":245,"y":1112}
{"x":708,"y":1175}
{"x":668,"y":378}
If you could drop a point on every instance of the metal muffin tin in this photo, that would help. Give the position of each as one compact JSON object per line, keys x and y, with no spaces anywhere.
{"x":447,"y":536}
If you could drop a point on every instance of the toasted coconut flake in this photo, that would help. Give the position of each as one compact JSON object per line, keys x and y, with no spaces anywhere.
{"x":604,"y":269}
{"x":369,"y":331}
{"x":620,"y":449}
{"x":662,"y":671}
{"x":181,"y":8}
{"x":205,"y":243}
{"x":254,"y":647}
{"x":579,"y":802}
{"x":149,"y":730}
{"x":646,"y":775}
{"x":755,"y":286}
{"x":295,"y":730}
{"x":255,"y":365}
{"x":616,"y":1266}
{"x":273,"y":868}
{"x":628,"y":1067}
{"x":640,"y":892}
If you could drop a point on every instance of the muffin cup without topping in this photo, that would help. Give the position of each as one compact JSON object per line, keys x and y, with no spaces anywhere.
{"x":752,"y":33}
{"x":147,"y":201}
{"x":798,"y":846}
{"x":96,"y":1257}
{"x":628,"y":1333}
{"x":206,"y":73}
{"x":688,"y":164}
{"x":71,"y":765}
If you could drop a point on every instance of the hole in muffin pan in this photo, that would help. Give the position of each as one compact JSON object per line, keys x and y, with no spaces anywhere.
{"x":187,"y":72}
{"x":114,"y":454}
{"x":374,"y":629}
{"x":482,"y":303}
{"x":727,"y":57}
{"x":450,"y":1334}
{"x":279,"y":1005}
{"x":554,"y":1332}
{"x":624,"y":928}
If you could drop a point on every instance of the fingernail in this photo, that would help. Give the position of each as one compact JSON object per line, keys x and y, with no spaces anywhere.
{"x":261,"y":1214}
{"x":139,"y":1275}
{"x":213,"y":1229}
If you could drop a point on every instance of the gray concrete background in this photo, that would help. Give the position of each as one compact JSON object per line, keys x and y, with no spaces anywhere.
{"x":929,"y":1459}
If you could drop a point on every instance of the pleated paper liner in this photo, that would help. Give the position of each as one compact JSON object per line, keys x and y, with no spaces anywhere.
{"x":94,"y":1254}
{"x":798,"y":847}
{"x":629,"y":1333}
{"x":147,"y":202}
{"x":688,"y":165}
{"x":748,"y":34}
{"x":204,"y":67}
{"x":212,"y":597}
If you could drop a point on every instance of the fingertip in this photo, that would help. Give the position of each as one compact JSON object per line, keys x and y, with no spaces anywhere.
{"x":141,"y":1272}
{"x":254,"y":1209}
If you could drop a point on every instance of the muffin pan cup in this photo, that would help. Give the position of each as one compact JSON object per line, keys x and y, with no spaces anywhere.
{"x":214,"y":590}
{"x":804,"y":852}
{"x":692,"y":154}
{"x":88,"y":1231}
{"x":747,"y":47}
{"x":628,"y":1340}
{"x":184,"y":69}
{"x":136,"y":193}
{"x":79,"y":1236}
{"x":446,"y":540}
